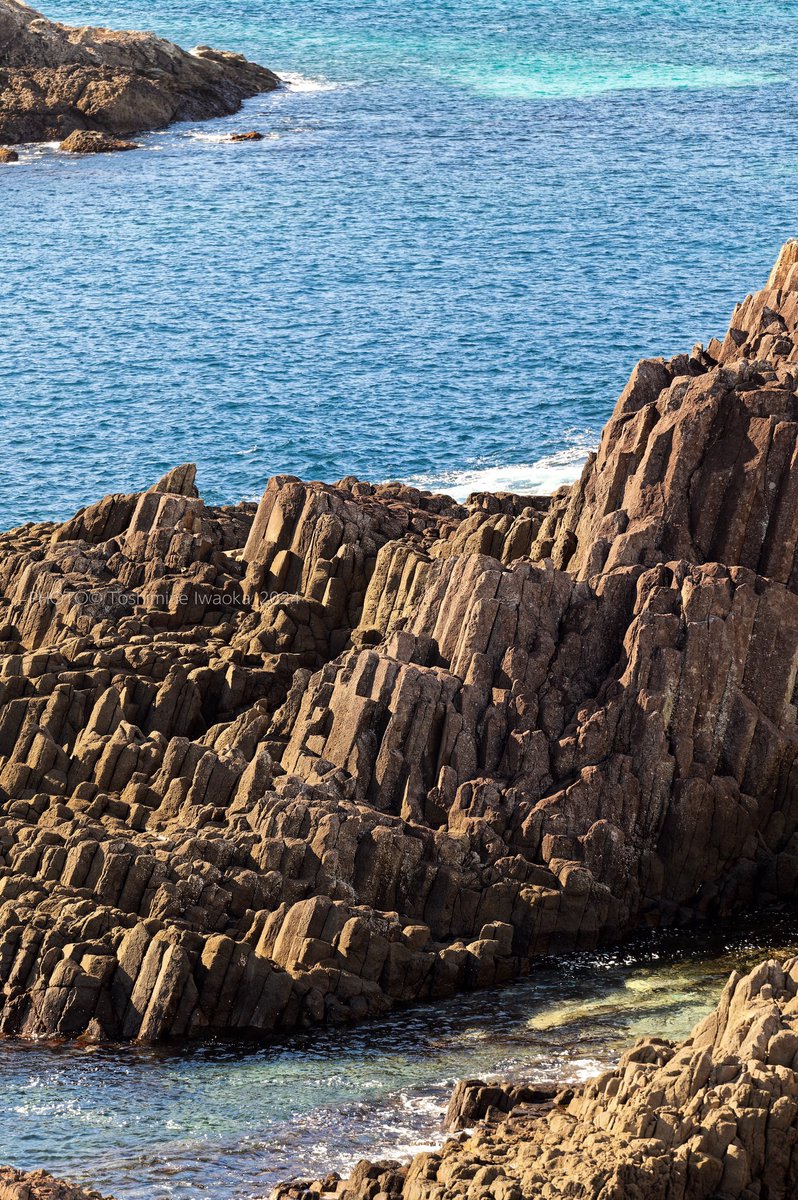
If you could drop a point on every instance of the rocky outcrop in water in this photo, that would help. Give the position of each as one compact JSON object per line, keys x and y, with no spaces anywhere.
{"x":55,"y":79}
{"x":268,"y":766}
{"x":89,"y":141}
{"x":712,"y":1118}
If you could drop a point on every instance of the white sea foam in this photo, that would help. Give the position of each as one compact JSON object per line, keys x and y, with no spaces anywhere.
{"x":197,"y":135}
{"x":218,"y":139}
{"x":536,"y":478}
{"x":301,"y":83}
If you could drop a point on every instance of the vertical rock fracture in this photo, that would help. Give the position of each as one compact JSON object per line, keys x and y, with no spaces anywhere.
{"x":263,"y":767}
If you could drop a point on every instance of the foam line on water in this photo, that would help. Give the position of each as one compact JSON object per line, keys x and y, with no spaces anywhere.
{"x":541,"y":477}
{"x":303,"y":83}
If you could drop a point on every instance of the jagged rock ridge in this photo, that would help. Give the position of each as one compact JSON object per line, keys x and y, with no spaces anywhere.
{"x":55,"y":79}
{"x":263,"y":767}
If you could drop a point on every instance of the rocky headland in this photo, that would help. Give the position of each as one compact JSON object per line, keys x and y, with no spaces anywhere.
{"x":268,"y":766}
{"x":56,"y":80}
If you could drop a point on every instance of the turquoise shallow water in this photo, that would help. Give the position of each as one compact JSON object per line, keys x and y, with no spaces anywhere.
{"x":226,"y":1122}
{"x":467,"y":221}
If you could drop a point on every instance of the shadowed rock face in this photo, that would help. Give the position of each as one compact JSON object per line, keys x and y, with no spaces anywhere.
{"x":264,"y":767}
{"x":55,"y":79}
{"x":700,"y":458}
{"x":715,"y":1116}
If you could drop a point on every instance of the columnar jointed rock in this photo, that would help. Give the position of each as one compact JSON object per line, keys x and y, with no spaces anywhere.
{"x":55,"y":79}
{"x":262,"y":768}
{"x":714,"y":1118}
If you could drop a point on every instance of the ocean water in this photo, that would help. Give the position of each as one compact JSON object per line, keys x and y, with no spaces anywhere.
{"x":466,"y":222}
{"x":220,"y":1122}
{"x":464,"y":225}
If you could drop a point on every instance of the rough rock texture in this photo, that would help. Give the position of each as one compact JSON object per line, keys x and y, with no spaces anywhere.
{"x":55,"y":79}
{"x":713,"y":1118}
{"x":8,"y":156}
{"x":263,"y":767}
{"x":38,"y":1185}
{"x":89,"y":141}
{"x":474,"y":1100}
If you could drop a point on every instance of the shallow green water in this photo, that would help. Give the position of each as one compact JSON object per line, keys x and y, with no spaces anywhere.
{"x":226,"y":1122}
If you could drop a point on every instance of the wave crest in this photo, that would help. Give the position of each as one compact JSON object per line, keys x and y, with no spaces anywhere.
{"x":541,"y":477}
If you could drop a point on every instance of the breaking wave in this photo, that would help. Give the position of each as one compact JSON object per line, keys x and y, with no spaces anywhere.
{"x":541,"y":477}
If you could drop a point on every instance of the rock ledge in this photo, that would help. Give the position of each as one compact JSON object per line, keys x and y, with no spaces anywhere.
{"x":55,"y":79}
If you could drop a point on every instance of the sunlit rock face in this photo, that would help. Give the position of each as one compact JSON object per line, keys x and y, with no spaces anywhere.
{"x":56,"y":80}
{"x":714,"y":1116}
{"x":269,"y":766}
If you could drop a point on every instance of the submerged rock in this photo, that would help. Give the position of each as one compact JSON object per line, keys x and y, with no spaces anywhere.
{"x":714,"y":1116}
{"x":270,"y":766}
{"x":89,"y":141}
{"x":55,"y":79}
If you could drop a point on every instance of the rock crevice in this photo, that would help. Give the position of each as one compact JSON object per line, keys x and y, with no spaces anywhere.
{"x":267,"y":766}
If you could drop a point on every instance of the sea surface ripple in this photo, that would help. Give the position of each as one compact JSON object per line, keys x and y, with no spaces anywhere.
{"x":464,"y":225}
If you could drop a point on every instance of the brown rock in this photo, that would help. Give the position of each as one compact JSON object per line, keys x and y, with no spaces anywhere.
{"x":55,"y":79}
{"x":38,"y":1185}
{"x":89,"y":141}
{"x":7,"y":155}
{"x":252,"y":136}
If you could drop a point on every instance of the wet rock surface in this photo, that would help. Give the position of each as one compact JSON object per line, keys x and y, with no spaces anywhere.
{"x":55,"y":79}
{"x":715,"y":1116}
{"x":268,"y":766}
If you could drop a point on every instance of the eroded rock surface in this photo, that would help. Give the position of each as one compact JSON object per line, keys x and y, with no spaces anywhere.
{"x":55,"y":79}
{"x":89,"y":141}
{"x":712,"y":1118}
{"x":268,"y":766}
{"x":38,"y":1185}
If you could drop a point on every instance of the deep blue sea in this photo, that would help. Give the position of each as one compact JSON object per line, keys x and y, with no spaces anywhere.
{"x":465,"y":224}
